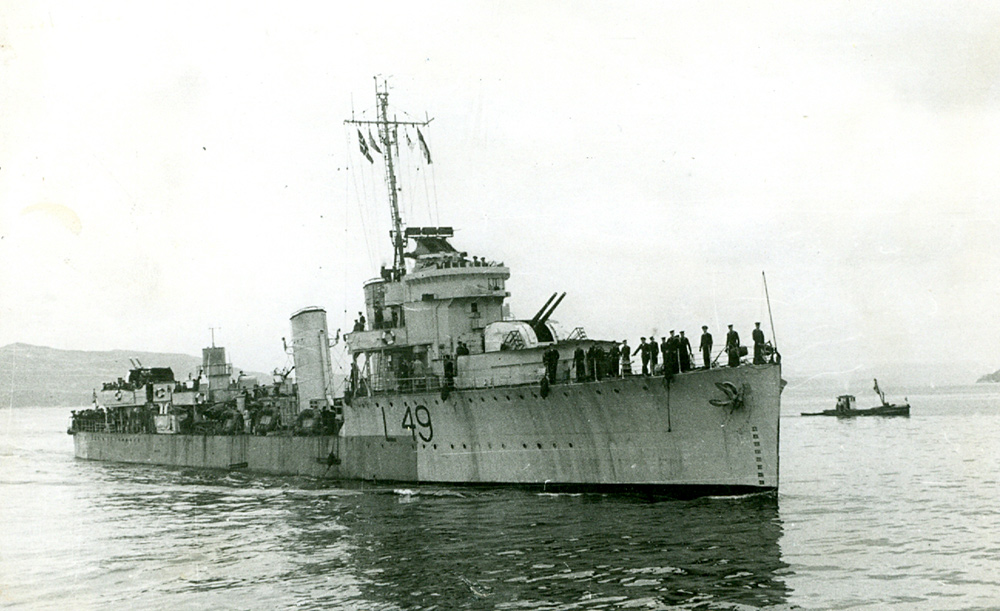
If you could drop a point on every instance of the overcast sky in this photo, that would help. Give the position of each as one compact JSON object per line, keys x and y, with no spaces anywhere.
{"x":170,"y":167}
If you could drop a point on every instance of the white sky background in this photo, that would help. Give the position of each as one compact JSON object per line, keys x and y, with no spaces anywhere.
{"x":169,"y":168}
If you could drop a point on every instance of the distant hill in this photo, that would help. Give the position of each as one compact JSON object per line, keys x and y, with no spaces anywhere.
{"x":41,"y":376}
{"x":990,"y":377}
{"x":890,"y":375}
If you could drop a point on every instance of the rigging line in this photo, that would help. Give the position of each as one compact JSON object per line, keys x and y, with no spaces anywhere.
{"x":403,"y":182}
{"x":347,"y":216}
{"x":354,"y":179}
{"x":364,"y":228}
{"x":423,"y":181}
{"x":374,"y":218}
{"x":412,"y":170}
{"x":437,"y":214}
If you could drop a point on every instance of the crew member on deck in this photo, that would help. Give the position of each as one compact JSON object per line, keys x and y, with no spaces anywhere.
{"x":614,"y":356}
{"x":706,"y":346}
{"x":449,"y":372}
{"x":654,"y":355}
{"x":579,"y":361}
{"x":626,"y":359}
{"x":551,"y":358}
{"x":670,"y":363}
{"x":758,"y":346}
{"x":684,"y":352}
{"x":643,"y":350}
{"x":733,"y":347}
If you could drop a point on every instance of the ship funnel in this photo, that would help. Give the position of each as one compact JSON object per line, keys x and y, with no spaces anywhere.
{"x":538,"y":316}
{"x":311,"y":352}
{"x":545,"y":317}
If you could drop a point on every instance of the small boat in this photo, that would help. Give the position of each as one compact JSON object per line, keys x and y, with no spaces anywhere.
{"x":845,"y":408}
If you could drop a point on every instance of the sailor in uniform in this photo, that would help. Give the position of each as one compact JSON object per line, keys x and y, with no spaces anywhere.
{"x":733,"y":347}
{"x":643,"y":350}
{"x":684,"y":352}
{"x":758,"y":346}
{"x":706,"y":346}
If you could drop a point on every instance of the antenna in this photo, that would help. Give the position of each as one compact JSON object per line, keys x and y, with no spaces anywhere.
{"x":388,"y":138}
{"x":769,"y":317}
{"x":212,"y":329}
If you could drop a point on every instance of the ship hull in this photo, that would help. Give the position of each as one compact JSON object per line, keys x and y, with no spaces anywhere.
{"x":642,"y":434}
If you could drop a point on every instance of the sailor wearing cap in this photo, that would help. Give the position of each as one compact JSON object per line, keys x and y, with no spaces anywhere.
{"x":733,"y":347}
{"x":643,"y":350}
{"x":758,"y":346}
{"x":706,"y":346}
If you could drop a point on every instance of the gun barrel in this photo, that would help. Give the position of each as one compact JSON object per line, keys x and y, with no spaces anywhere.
{"x":534,"y":319}
{"x":555,"y":305}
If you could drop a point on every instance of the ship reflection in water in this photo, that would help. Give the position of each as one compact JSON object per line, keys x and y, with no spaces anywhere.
{"x":423,"y":549}
{"x":256,"y":542}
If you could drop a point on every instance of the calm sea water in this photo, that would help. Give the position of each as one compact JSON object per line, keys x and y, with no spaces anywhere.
{"x":873,"y":513}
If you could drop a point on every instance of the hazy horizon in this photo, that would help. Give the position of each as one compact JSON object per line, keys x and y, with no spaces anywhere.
{"x":167,"y":169}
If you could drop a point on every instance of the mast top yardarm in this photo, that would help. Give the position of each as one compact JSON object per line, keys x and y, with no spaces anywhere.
{"x":388,"y":139}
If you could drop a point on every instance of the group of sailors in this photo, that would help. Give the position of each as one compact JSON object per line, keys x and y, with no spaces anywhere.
{"x":383,"y":320}
{"x":674,"y":351}
{"x":124,"y":419}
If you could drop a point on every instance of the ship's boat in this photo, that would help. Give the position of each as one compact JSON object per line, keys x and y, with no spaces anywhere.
{"x":445,"y":387}
{"x":846,"y":407}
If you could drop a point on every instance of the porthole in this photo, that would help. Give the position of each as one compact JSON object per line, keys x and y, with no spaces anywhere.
{"x":539,"y":446}
{"x":617,"y":391}
{"x":463,"y":447}
{"x":598,"y":391}
{"x":571,"y":445}
{"x":503,"y":446}
{"x":452,"y":446}
{"x":524,"y":445}
{"x":435,"y":446}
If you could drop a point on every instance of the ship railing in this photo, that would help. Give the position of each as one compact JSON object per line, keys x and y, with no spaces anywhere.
{"x":411,"y":384}
{"x":94,"y":426}
{"x":90,"y":426}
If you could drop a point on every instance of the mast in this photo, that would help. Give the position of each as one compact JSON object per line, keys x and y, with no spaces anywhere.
{"x":388,"y":141}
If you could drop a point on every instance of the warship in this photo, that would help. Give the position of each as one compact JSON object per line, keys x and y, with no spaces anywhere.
{"x":443,"y":387}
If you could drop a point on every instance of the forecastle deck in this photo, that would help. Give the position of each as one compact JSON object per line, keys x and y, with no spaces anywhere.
{"x":634,"y":433}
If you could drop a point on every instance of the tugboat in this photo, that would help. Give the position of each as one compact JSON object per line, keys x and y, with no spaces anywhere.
{"x":445,"y":387}
{"x":845,"y":407}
